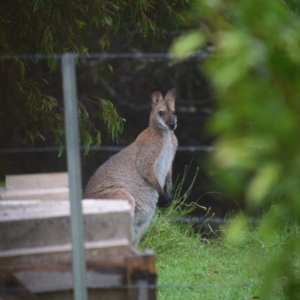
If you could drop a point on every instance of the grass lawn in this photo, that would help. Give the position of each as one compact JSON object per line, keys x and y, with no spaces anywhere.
{"x":190,"y":268}
{"x":245,"y":263}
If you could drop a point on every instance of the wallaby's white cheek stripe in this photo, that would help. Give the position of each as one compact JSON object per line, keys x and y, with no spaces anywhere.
{"x":163,"y":124}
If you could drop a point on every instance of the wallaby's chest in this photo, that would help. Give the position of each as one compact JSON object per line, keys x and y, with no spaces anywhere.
{"x":164,"y":160}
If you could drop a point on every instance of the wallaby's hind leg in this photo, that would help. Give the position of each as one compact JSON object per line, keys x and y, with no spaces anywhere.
{"x":121,"y":194}
{"x":115,"y":193}
{"x":140,"y":226}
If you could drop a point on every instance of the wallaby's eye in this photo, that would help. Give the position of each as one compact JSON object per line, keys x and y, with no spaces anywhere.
{"x":161,"y":112}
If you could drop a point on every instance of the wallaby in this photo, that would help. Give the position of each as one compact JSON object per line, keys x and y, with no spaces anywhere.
{"x":140,"y":172}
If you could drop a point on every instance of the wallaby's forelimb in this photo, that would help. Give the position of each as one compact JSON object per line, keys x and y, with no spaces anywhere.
{"x":169,"y":185}
{"x":150,"y":176}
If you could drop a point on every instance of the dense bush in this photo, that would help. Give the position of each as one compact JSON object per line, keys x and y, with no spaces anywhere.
{"x":254,"y":70}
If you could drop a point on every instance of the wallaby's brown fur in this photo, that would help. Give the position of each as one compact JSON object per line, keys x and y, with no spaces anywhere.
{"x":140,"y":172}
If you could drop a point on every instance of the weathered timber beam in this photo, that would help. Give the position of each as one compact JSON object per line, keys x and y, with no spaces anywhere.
{"x":12,"y":289}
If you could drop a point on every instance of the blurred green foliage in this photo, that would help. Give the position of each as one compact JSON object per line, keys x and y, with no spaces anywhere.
{"x":254,"y":70}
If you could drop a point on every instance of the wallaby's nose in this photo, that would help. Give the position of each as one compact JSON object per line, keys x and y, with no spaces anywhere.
{"x":172,"y":125}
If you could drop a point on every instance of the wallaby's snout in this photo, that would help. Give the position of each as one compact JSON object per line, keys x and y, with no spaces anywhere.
{"x":172,"y":122}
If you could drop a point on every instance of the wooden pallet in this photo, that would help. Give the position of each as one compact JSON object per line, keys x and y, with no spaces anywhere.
{"x":128,"y":277}
{"x":36,"y":249}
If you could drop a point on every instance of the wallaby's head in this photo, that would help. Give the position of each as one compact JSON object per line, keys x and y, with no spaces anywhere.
{"x":163,"y":114}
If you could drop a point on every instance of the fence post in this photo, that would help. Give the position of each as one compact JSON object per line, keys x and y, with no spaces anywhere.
{"x":74,"y":170}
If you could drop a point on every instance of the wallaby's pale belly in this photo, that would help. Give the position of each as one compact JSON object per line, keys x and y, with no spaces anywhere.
{"x":164,"y":160}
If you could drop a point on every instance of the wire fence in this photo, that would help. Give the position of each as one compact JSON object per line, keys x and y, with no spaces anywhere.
{"x":108,"y":56}
{"x":80,"y":283}
{"x":101,"y":148}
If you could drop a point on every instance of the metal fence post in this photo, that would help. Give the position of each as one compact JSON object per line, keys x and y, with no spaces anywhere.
{"x":74,"y":170}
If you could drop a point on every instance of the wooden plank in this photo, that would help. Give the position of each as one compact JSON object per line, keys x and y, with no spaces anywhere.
{"x":44,"y":282}
{"x":93,"y":294}
{"x":35,"y":209}
{"x":37,"y":181}
{"x":55,"y":278}
{"x":141,"y":276}
{"x":35,"y":194}
{"x":63,"y":253}
{"x":38,"y":224}
{"x":12,"y":289}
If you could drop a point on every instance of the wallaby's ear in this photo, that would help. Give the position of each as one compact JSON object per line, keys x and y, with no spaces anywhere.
{"x":171,"y":94}
{"x":156,"y":96}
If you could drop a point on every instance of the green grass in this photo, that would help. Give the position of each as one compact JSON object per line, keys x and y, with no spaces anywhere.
{"x":189,"y":268}
{"x":241,"y":263}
